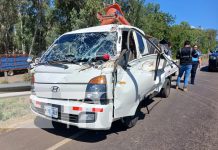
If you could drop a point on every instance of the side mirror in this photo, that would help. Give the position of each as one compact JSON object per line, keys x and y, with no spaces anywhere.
{"x":37,"y":60}
{"x":29,"y":59}
{"x":123,"y":61}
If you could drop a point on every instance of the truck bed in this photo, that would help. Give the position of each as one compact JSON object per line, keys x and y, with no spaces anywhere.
{"x":13,"y":62}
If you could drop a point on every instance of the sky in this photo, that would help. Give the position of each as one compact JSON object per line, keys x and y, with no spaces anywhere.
{"x":203,"y":13}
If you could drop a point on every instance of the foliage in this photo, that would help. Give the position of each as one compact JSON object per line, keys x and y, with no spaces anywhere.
{"x":27,"y":77}
{"x":30,"y":26}
{"x":13,"y":108}
{"x":4,"y":82}
{"x":8,"y":17}
{"x":205,"y":39}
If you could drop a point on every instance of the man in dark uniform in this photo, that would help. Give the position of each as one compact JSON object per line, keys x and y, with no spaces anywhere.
{"x":185,"y":56}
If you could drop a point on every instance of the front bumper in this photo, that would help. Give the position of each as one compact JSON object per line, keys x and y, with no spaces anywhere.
{"x":102,"y":119}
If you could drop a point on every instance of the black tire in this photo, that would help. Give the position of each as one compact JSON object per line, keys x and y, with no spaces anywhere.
{"x":10,"y":73}
{"x":210,"y":69}
{"x":58,"y":125}
{"x":165,"y":91}
{"x":130,"y":121}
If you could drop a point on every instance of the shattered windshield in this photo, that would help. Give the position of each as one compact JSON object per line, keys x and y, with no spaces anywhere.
{"x":81,"y":47}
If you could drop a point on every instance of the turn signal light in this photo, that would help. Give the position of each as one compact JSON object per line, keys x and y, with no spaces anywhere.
{"x":98,"y":80}
{"x":77,"y":108}
{"x":97,"y":109}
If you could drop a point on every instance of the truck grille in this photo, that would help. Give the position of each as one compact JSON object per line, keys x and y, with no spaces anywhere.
{"x":61,"y":116}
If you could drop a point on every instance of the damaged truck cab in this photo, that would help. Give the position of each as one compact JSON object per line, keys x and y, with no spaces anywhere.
{"x":91,"y":77}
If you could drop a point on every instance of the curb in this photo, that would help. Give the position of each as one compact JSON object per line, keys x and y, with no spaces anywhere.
{"x":15,"y":87}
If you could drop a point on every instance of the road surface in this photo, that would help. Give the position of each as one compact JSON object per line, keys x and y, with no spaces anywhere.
{"x":14,"y":94}
{"x":182,"y":121}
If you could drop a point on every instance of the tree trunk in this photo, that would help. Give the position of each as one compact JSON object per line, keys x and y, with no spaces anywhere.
{"x":33,"y":40}
{"x":21,"y":33}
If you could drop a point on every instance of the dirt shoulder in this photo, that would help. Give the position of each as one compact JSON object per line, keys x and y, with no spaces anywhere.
{"x":12,"y":79}
{"x":14,"y":112}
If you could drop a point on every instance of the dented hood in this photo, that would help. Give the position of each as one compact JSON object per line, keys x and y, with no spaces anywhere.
{"x":65,"y":73}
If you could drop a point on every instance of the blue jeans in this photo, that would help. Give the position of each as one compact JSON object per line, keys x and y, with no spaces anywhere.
{"x":187,"y":69}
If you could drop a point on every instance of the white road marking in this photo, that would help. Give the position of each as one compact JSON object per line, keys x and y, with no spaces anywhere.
{"x":14,"y":94}
{"x":66,"y":140}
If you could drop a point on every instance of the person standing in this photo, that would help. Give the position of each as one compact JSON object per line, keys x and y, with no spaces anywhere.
{"x":195,"y":64}
{"x":166,"y":47}
{"x":185,"y":56}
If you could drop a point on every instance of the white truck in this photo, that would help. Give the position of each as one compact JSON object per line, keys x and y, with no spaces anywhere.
{"x":91,"y":77}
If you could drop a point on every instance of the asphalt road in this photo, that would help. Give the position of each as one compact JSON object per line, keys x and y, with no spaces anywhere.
{"x":185,"y":120}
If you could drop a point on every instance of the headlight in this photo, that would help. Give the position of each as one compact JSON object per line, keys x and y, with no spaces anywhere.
{"x":96,"y":91}
{"x":213,"y":57}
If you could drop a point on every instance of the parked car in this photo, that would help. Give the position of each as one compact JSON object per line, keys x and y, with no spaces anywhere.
{"x":213,"y":61}
{"x":91,"y":77}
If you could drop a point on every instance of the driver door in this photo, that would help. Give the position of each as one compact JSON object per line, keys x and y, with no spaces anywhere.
{"x":131,"y":80}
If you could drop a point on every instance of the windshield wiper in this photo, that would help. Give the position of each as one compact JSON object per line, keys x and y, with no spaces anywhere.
{"x":57,"y":62}
{"x":60,"y":64}
{"x":62,"y":61}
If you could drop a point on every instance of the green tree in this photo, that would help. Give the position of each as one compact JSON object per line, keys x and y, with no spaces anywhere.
{"x":8,"y":18}
{"x":62,"y":14}
{"x":32,"y":25}
{"x":86,"y":16}
{"x":205,"y":39}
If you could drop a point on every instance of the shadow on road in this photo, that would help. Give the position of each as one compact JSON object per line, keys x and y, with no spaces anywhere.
{"x":204,"y":69}
{"x":174,"y":80}
{"x":46,"y":125}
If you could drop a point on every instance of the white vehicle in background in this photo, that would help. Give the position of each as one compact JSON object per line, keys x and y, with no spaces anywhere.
{"x":91,"y":77}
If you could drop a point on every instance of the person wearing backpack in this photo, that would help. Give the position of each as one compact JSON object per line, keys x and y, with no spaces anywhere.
{"x":185,"y":55}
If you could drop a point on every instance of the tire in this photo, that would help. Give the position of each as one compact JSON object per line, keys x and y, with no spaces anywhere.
{"x":10,"y":73}
{"x":210,"y":69}
{"x":58,"y":125}
{"x":165,"y":91}
{"x":130,"y":121}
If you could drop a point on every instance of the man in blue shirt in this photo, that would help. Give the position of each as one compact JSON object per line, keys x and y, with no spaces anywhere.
{"x":195,"y":63}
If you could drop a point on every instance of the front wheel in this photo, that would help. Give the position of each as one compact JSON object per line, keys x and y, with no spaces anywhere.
{"x":210,"y":69}
{"x":130,"y":121}
{"x":165,"y":91}
{"x":10,"y":73}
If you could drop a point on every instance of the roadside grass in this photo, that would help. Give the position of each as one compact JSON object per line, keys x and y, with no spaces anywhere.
{"x":4,"y":82}
{"x":15,"y":107}
{"x":27,"y":77}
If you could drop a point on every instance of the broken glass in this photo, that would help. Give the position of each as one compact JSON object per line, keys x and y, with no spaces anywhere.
{"x":81,"y":47}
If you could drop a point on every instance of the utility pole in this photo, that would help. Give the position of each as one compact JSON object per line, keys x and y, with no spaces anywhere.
{"x":6,"y":76}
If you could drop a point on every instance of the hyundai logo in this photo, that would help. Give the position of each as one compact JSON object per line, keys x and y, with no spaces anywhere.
{"x":55,"y":89}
